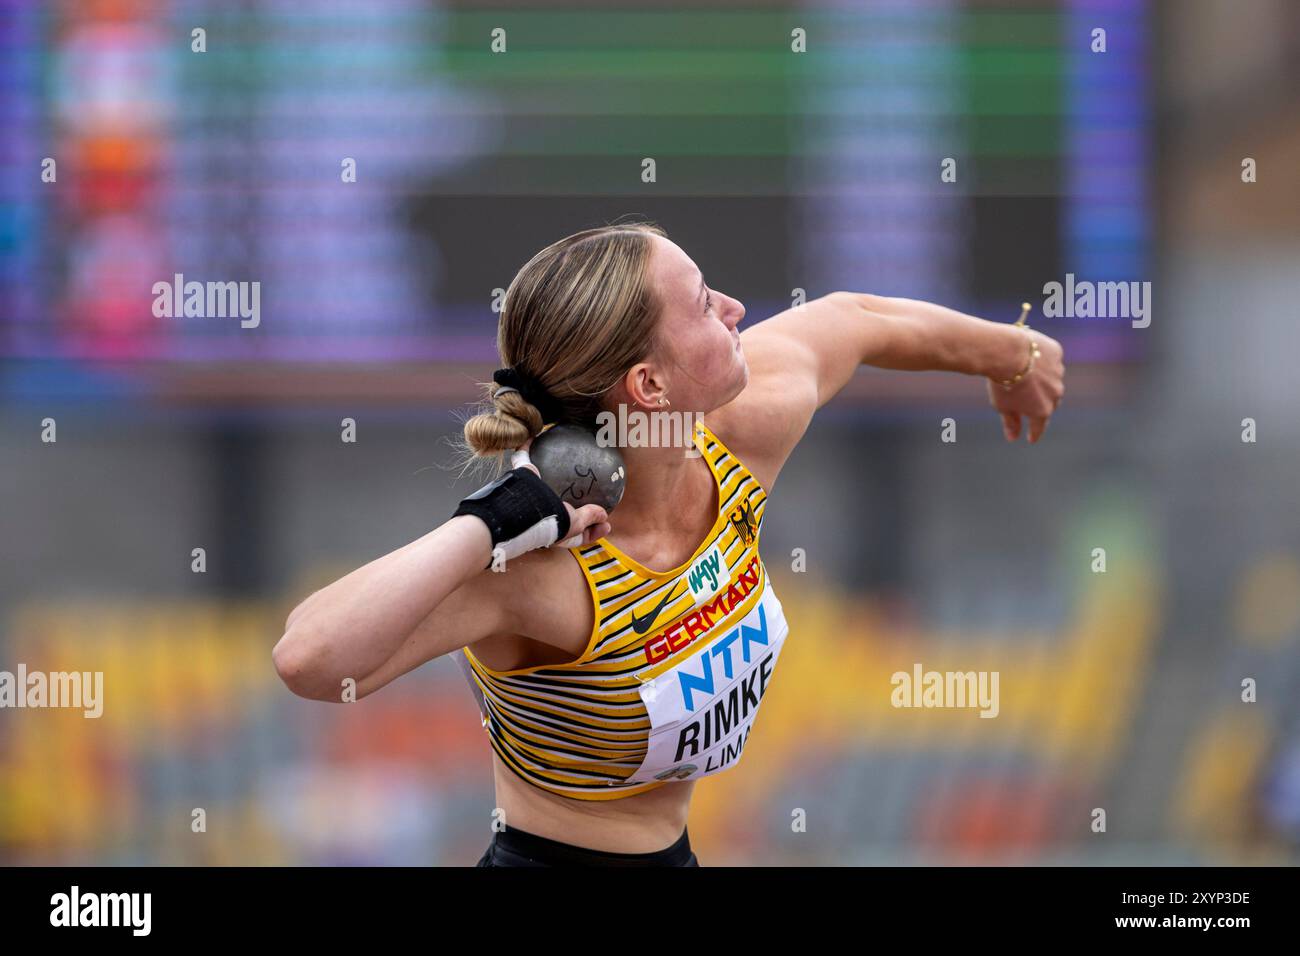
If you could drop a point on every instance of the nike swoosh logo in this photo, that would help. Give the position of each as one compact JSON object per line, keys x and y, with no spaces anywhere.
{"x":643,"y":623}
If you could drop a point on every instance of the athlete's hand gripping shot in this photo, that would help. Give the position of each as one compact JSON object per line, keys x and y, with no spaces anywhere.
{"x":620,"y":656}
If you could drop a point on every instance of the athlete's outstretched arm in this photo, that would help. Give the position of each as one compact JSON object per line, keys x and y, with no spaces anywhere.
{"x":802,"y":357}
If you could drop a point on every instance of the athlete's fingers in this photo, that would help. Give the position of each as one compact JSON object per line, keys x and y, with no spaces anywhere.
{"x":586,"y":516}
{"x":585,"y":525}
{"x":1036,"y":428}
{"x":1011,"y":425}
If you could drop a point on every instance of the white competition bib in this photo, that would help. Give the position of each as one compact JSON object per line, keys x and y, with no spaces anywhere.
{"x":703,"y":707}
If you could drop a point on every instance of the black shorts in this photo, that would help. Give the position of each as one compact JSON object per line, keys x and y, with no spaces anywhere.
{"x":512,"y":847}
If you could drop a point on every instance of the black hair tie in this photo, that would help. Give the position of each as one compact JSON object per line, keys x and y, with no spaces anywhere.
{"x":533,"y":392}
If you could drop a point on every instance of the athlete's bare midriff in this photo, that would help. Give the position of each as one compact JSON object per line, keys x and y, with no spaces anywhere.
{"x":641,"y":823}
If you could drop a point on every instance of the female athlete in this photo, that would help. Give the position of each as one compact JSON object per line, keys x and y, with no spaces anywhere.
{"x":617,"y":663}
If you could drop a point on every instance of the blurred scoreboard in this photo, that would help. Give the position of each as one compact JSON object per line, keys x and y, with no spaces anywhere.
{"x":377,"y":170}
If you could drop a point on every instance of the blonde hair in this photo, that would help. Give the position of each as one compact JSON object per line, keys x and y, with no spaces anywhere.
{"x":576,"y":317}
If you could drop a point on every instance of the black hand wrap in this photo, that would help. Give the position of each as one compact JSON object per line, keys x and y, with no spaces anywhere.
{"x":521,"y":512}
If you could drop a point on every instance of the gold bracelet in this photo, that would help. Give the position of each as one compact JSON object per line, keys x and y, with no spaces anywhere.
{"x":1033,"y":351}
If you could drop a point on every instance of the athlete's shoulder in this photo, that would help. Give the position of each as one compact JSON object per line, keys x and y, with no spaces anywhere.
{"x":562,"y":600}
{"x":549,"y":599}
{"x":762,"y":425}
{"x":757,"y":433}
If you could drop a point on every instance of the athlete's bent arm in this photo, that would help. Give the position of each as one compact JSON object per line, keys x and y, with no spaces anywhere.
{"x":351,"y":628}
{"x":428,"y":598}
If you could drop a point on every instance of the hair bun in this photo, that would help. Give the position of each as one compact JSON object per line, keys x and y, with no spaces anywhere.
{"x":531,"y":390}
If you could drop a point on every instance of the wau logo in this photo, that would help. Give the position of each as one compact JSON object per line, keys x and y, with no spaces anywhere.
{"x":707,"y":569}
{"x":721,"y":648}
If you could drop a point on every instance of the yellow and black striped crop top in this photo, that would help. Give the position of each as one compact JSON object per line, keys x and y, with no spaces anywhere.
{"x":673,"y":675}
